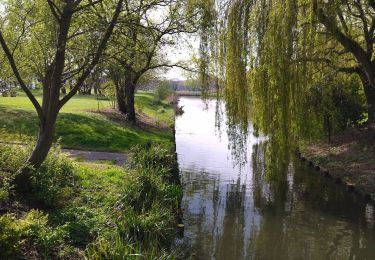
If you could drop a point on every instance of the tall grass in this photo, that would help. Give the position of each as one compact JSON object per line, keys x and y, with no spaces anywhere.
{"x":86,"y":213}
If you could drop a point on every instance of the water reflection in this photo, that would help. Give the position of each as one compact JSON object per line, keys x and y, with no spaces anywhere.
{"x":233,"y":212}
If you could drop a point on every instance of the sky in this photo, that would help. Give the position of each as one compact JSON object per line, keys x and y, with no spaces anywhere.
{"x":183,"y":53}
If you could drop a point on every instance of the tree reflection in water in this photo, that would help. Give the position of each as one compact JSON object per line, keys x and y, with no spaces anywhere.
{"x":266,"y":209}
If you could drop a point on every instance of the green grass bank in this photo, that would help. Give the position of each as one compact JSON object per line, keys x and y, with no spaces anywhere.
{"x":86,"y":123}
{"x":90,"y":212}
{"x":80,"y":210}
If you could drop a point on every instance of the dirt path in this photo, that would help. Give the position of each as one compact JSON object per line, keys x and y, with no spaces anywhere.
{"x":91,"y":156}
{"x":88,"y":156}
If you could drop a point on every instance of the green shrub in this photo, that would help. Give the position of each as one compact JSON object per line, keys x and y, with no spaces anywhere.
{"x":156,"y":177}
{"x":11,"y":159}
{"x":350,"y":108}
{"x":10,"y":236}
{"x":81,"y":223}
{"x":152,"y":157}
{"x":163,"y":90}
{"x":145,"y":188}
{"x":44,"y":238}
{"x":33,"y":230}
{"x":140,"y":107}
{"x":54,"y":181}
{"x":116,"y":213}
{"x":338,"y":104}
{"x":6,"y":186}
{"x":145,"y":214}
{"x":110,"y":247}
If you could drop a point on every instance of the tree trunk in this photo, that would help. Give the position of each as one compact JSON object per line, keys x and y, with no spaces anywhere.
{"x":38,"y":155}
{"x":130,"y":82}
{"x":44,"y":144}
{"x":370,"y":96}
{"x":96,"y":89}
{"x":130,"y":104}
{"x":120,"y":96}
{"x":52,"y":84}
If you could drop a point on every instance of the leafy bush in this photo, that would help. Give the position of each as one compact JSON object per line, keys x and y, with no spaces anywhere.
{"x":145,"y":214}
{"x":158,"y":174}
{"x":140,"y":107}
{"x":163,"y":90}
{"x":11,"y":159}
{"x":44,"y":238}
{"x":113,"y":247}
{"x":10,"y":236}
{"x":5,"y":187}
{"x":33,"y":229}
{"x":117,"y":213}
{"x":338,"y":104}
{"x":54,"y":181}
{"x":81,"y":223}
{"x":349,"y":104}
{"x":156,"y":224}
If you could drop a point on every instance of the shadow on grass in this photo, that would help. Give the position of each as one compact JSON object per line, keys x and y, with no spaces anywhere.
{"x":78,"y":131}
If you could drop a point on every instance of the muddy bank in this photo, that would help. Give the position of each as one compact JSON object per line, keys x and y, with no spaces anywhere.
{"x":349,"y":159}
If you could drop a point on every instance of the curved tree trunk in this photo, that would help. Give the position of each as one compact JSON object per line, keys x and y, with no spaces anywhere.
{"x":369,"y":90}
{"x":39,"y":153}
{"x":44,"y":143}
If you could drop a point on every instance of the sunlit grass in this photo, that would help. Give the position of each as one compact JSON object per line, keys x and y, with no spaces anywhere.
{"x":79,"y":128}
{"x":94,"y":211}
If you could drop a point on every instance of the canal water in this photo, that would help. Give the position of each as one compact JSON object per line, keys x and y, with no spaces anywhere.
{"x":239,"y":211}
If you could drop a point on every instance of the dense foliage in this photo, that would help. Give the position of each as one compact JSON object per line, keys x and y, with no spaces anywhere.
{"x":299,"y":70}
{"x":92,"y":213}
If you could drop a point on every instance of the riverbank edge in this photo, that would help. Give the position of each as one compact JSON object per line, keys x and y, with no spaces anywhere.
{"x":176,"y":167}
{"x":349,"y":175}
{"x":329,"y":174}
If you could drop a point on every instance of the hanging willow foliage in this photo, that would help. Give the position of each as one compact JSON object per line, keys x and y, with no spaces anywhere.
{"x":276,"y":82}
{"x":263,"y":48}
{"x":277,"y":67}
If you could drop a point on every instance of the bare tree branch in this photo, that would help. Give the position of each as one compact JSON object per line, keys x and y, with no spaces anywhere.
{"x":96,"y":58}
{"x":55,"y":10}
{"x":19,"y":78}
{"x":88,"y":5}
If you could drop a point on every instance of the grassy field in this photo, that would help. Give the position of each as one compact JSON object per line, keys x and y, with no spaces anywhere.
{"x":80,"y":126}
{"x":80,"y":210}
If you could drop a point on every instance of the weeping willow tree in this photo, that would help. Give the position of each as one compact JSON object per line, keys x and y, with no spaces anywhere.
{"x":280,"y":76}
{"x":280,"y":59}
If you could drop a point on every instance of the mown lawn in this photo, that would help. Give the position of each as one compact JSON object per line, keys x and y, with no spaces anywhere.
{"x":78,"y":127}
